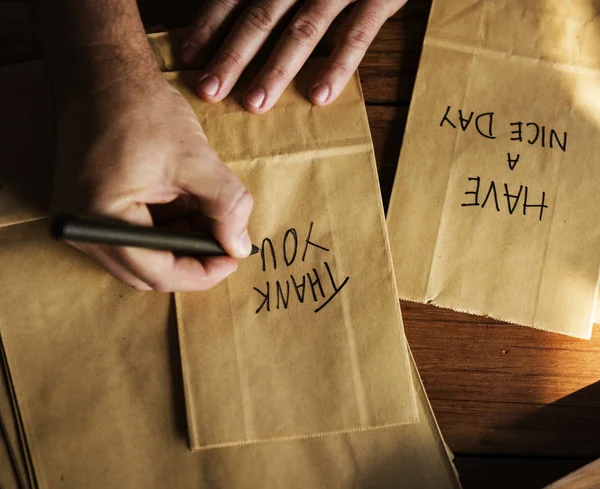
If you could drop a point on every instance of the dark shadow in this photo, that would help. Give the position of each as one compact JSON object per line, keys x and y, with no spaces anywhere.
{"x":27,"y":149}
{"x":569,"y":424}
{"x":388,"y":138}
{"x":177,"y":386}
{"x":513,"y":473}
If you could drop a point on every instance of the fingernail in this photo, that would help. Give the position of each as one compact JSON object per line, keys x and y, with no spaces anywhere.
{"x":188,"y":52}
{"x":209,"y":85}
{"x":255,"y":97}
{"x":320,"y":93}
{"x":244,"y":245}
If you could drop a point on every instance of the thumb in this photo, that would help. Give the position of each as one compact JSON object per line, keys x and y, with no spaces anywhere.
{"x":223,"y":199}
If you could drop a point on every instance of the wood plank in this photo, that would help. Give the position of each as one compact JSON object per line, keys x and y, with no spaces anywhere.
{"x":502,"y":389}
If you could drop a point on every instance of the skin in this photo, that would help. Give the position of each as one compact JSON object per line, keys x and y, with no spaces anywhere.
{"x":127,"y":141}
{"x":130,"y":147}
{"x":256,"y":20}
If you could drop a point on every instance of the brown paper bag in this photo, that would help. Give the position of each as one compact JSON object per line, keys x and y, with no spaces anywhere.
{"x":351,"y":377}
{"x":495,"y":204}
{"x":12,"y":428}
{"x":97,"y":376}
{"x":286,"y":347}
{"x":8,"y":475}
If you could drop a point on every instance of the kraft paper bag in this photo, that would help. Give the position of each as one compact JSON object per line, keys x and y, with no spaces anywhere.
{"x":495,"y":204}
{"x":12,"y":429}
{"x":286,"y":347}
{"x":8,"y":476}
{"x":97,"y":376}
{"x":314,"y":180}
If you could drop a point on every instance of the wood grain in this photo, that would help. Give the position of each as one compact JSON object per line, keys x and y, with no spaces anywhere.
{"x":519,"y":407}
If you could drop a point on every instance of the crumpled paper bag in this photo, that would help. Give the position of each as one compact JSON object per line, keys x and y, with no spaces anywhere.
{"x":495,"y":203}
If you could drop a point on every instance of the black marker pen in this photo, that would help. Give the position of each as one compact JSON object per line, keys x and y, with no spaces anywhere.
{"x":120,"y":233}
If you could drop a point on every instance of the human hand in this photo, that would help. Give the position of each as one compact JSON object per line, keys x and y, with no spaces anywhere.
{"x":136,"y":143}
{"x":257,"y":18}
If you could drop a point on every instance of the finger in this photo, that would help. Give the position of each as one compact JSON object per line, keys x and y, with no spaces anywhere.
{"x":240,"y":47}
{"x":158,"y":270}
{"x":212,"y":16}
{"x":164,"y":272}
{"x":300,"y":38}
{"x":112,"y":265}
{"x":222,"y":198}
{"x":364,"y":24}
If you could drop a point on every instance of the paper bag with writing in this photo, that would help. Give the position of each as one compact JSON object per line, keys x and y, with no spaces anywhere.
{"x":95,"y":368}
{"x":97,"y":375}
{"x":495,"y":206}
{"x":314,"y":364}
{"x":287,"y":347}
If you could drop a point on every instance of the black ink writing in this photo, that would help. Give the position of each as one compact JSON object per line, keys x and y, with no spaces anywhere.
{"x":309,"y":242}
{"x":491,"y":190}
{"x":290,"y":232}
{"x":277,"y":294}
{"x":289,"y":248}
{"x":315,"y":282}
{"x":473,"y":192}
{"x":508,"y":195}
{"x":323,"y":289}
{"x":541,"y":206}
{"x":534,"y":133}
{"x":336,"y":288}
{"x":513,"y":198}
{"x":284,"y":299}
{"x":512,"y":162}
{"x":266,"y":296}
{"x":263,"y":246}
{"x":484,"y":123}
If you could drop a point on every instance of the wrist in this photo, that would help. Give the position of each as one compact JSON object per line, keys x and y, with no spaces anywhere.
{"x":105,"y":71}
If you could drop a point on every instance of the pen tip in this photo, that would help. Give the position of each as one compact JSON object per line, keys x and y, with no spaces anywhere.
{"x":255,"y":250}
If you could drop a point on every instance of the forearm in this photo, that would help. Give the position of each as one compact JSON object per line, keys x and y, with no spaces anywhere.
{"x":93,"y":46}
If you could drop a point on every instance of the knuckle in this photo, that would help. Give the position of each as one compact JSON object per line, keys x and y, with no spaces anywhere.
{"x":339,"y":66}
{"x":245,"y":203}
{"x":358,"y":38}
{"x":203,"y":28}
{"x":233,"y":58}
{"x":227,"y":4}
{"x":230,"y":193}
{"x":260,"y":17}
{"x":277,"y":71}
{"x":304,"y":30}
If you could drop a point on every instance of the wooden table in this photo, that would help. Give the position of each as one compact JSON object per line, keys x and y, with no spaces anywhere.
{"x":519,"y":408}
